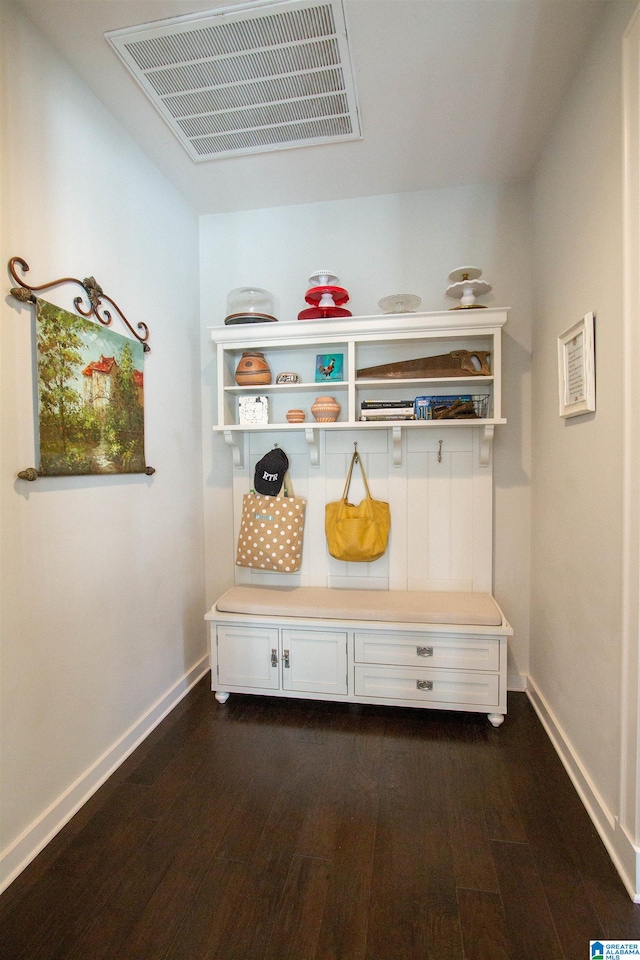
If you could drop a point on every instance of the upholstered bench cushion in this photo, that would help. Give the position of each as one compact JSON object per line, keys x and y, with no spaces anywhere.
{"x":410,"y":606}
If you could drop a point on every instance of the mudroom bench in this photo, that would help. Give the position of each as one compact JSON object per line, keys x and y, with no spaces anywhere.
{"x":440,"y":650}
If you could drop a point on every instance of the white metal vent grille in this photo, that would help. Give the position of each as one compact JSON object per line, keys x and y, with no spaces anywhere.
{"x":247,"y":79}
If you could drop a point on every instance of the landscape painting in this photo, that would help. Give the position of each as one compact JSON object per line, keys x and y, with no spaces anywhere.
{"x":90,"y":396}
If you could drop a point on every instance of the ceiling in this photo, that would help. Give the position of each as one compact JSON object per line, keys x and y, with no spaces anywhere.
{"x":451,"y":92}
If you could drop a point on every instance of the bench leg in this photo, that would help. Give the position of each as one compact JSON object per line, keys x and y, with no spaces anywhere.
{"x":221,"y":696}
{"x":495,"y":718}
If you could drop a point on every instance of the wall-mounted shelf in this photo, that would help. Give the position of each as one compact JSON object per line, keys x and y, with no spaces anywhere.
{"x":234,"y":435}
{"x":363,"y":342}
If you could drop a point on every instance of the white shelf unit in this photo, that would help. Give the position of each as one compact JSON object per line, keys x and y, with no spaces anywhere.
{"x":363,"y":342}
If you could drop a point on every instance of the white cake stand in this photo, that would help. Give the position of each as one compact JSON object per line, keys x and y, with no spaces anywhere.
{"x":466,"y":286}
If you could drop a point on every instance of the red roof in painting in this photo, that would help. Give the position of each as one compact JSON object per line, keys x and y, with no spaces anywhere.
{"x":138,"y":378}
{"x":103,"y":365}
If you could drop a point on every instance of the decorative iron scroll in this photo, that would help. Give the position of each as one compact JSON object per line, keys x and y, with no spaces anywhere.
{"x":26,"y":293}
{"x":90,"y":385}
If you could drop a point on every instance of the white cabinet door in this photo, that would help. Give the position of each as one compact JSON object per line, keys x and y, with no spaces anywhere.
{"x":248,"y":657}
{"x":314,"y":661}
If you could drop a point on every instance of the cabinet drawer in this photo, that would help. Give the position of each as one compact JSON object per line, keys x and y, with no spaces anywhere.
{"x":429,"y":686}
{"x":427,"y":650}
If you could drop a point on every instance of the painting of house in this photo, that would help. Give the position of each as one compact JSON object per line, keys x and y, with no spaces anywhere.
{"x":90,"y":396}
{"x":97,"y":385}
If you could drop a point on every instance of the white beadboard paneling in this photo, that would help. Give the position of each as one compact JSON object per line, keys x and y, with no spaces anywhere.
{"x":371,"y":441}
{"x":269,"y":578}
{"x":437,"y":532}
{"x":339,"y":448}
{"x":448,"y":502}
{"x":242,"y":482}
{"x":398,"y":541}
{"x":441,"y":511}
{"x":451,"y":583}
{"x":482,"y":526}
{"x":314,"y":556}
{"x":358,"y":583}
{"x":461,"y":517}
{"x":417,"y":547}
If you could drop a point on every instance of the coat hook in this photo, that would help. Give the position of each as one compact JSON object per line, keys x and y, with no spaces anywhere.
{"x":440,"y":451}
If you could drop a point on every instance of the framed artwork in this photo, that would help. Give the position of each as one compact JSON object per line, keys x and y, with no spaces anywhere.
{"x":253,"y":411}
{"x":576,"y":368}
{"x":90,"y":383}
{"x":329,"y":366}
{"x":90,"y":396}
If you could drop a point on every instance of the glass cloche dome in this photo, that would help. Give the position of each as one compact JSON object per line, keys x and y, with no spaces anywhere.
{"x":250,"y":305}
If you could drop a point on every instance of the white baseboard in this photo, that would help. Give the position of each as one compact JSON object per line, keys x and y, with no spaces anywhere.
{"x":623,"y":853}
{"x":517,"y":682}
{"x":37,"y":835}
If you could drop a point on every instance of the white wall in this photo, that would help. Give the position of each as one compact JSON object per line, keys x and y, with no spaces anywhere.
{"x":101,"y":578}
{"x":405,"y":243}
{"x":577,"y":463}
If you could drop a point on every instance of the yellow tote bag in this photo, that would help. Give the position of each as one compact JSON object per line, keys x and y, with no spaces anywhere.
{"x":359,"y":533}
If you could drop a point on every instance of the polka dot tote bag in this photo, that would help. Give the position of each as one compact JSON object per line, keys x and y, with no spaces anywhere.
{"x":271,"y":530}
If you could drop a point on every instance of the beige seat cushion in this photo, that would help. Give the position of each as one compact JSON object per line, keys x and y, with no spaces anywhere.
{"x":411,"y":606}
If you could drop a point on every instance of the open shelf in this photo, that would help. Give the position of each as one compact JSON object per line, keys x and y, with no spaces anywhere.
{"x":363,"y":342}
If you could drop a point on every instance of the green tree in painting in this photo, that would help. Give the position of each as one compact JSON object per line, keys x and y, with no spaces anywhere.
{"x":58,"y":357}
{"x":124,"y":425}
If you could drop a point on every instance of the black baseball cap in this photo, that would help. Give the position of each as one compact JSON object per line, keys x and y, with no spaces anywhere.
{"x":270,"y":471}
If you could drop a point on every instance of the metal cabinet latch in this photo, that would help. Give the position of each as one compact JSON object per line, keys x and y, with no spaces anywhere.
{"x":424,"y":684}
{"x":285,"y":658}
{"x":424,"y":651}
{"x":274,"y":658}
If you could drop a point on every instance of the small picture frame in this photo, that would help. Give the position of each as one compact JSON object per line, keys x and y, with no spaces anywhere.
{"x":253,"y":411}
{"x":576,"y":368}
{"x":329,"y":367}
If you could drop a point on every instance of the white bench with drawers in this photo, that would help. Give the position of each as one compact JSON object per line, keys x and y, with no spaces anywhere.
{"x":441,"y":650}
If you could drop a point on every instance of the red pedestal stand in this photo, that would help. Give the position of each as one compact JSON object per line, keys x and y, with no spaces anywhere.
{"x":325,"y":298}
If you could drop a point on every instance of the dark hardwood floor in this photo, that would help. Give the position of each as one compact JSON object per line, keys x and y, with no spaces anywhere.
{"x":294,"y":830}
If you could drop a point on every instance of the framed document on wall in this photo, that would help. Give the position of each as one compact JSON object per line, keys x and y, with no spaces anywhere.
{"x":576,"y":368}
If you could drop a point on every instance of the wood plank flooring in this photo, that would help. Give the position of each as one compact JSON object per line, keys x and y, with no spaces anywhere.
{"x":270,"y":829}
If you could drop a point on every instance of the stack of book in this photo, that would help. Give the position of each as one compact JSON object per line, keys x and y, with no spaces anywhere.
{"x":387,"y":410}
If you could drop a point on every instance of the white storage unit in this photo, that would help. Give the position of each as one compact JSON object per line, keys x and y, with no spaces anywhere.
{"x":441,"y":666}
{"x":440,"y":490}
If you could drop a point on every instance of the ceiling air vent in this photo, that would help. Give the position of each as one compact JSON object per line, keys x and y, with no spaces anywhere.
{"x":247,"y":79}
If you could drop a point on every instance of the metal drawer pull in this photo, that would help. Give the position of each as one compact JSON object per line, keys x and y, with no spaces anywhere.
{"x":274,"y":658}
{"x":424,"y":684}
{"x":285,"y":658}
{"x":424,"y":651}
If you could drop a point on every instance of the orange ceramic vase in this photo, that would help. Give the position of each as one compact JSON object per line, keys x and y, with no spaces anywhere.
{"x":295,"y":416}
{"x":253,"y":370}
{"x":325,"y":409}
